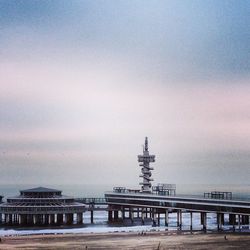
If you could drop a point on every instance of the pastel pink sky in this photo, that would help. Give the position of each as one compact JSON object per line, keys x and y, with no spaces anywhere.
{"x":82,"y":84}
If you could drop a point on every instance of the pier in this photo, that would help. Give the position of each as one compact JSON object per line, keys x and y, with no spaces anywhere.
{"x":152,"y":202}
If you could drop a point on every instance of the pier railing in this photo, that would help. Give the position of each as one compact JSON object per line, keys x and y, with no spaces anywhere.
{"x":92,"y":201}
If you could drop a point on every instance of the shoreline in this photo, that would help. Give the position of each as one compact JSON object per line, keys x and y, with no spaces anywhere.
{"x":130,"y":240}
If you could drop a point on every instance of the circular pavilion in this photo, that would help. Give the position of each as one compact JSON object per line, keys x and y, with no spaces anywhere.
{"x":41,"y":206}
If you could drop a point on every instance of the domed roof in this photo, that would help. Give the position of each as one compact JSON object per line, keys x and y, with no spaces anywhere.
{"x":40,"y":190}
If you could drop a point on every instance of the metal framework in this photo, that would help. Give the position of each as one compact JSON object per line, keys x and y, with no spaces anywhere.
{"x":164,"y":189}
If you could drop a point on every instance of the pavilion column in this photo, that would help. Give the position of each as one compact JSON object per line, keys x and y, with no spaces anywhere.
{"x":16,"y":219}
{"x":34,"y":219}
{"x":29,"y":219}
{"x":46,"y":219}
{"x":69,"y":218}
{"x":10,"y":219}
{"x":19,"y":219}
{"x":239,"y":222}
{"x":5,"y":218}
{"x":166,"y":218}
{"x":51,"y":219}
{"x":60,"y":219}
{"x":22,"y":219}
{"x":13,"y":219}
{"x":38,"y":219}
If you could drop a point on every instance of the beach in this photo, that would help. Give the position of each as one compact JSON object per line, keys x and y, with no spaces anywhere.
{"x":129,"y":240}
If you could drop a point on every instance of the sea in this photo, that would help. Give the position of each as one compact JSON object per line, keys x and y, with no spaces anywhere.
{"x":100,"y":225}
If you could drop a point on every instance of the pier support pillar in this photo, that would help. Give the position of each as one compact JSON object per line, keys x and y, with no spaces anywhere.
{"x":166,"y":218}
{"x":223,"y":219}
{"x":219,"y":221}
{"x":142,"y":216}
{"x":180,"y":214}
{"x":79,"y":218}
{"x":123,"y":213}
{"x":232,"y":219}
{"x":191,"y":221}
{"x":204,"y":220}
{"x":131,"y":214}
{"x":116,"y":215}
{"x":245,"y":219}
{"x":178,"y":218}
{"x":110,"y":218}
{"x":154,"y":217}
{"x":92,"y":216}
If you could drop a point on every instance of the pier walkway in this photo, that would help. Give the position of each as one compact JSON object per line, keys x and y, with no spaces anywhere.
{"x":152,"y":205}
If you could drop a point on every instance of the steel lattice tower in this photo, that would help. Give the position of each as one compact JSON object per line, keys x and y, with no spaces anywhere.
{"x":144,"y":161}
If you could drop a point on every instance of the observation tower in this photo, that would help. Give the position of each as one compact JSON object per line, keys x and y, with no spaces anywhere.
{"x":144,"y":162}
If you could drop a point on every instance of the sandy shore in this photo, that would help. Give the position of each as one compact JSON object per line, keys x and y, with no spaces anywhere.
{"x":152,"y":240}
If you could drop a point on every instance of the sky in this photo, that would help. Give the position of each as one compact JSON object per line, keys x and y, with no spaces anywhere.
{"x":83,"y":82}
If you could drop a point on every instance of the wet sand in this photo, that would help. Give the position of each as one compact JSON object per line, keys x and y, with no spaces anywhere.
{"x":152,"y":240}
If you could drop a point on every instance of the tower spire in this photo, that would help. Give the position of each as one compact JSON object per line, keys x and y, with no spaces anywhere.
{"x":146,"y":143}
{"x":144,"y":161}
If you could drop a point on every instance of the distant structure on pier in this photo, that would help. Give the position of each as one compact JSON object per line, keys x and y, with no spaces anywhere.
{"x":144,"y":161}
{"x":219,"y":195}
{"x":40,"y":206}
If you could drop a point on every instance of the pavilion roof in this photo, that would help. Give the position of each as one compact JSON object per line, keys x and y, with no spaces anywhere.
{"x":40,"y":190}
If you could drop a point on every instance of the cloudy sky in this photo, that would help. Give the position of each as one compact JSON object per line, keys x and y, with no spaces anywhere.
{"x":83,"y":82}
